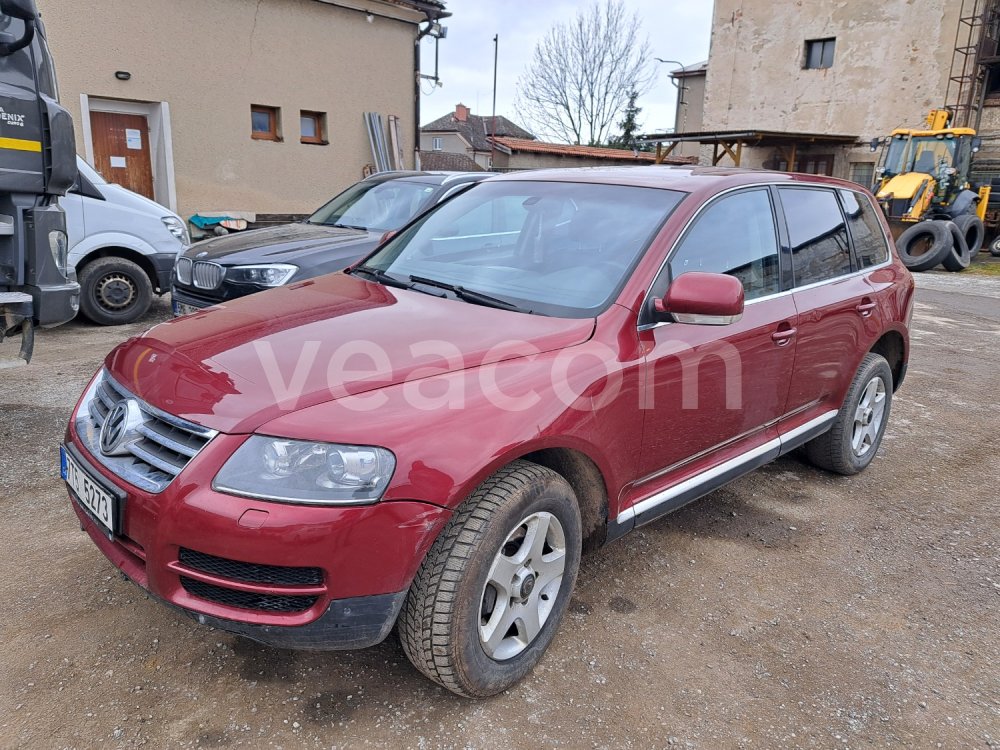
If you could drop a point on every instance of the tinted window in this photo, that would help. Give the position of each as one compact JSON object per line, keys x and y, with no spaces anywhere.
{"x":866,"y":230}
{"x":734,"y":235}
{"x":817,"y":234}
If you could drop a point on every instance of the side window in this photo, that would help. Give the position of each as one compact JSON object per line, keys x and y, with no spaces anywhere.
{"x":734,"y":235}
{"x":870,"y":248}
{"x":817,"y":234}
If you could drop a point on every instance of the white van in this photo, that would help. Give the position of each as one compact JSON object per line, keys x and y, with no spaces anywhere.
{"x":122,"y":245}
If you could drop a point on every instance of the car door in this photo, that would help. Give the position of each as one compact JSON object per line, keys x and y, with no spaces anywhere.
{"x":714,"y":387}
{"x":836,"y":306}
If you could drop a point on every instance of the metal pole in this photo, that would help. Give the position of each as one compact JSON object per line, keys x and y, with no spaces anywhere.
{"x":493,"y":143}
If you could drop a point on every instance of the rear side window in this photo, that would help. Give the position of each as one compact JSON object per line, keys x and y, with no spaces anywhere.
{"x":870,"y":248}
{"x":817,"y":234}
{"x":734,"y":235}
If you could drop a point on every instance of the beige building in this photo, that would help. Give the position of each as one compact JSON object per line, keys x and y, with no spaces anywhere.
{"x":232,"y":105}
{"x":807,"y":85}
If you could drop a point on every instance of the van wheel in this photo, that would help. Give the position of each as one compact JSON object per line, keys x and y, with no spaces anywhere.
{"x":114,"y":291}
{"x":851,"y":444}
{"x":489,"y":596}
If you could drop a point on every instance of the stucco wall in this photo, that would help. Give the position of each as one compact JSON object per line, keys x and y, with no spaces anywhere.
{"x":211,"y":60}
{"x":453,"y":143}
{"x":891,"y":65}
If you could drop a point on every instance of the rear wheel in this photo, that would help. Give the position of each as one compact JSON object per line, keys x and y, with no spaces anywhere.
{"x":851,"y":444}
{"x":995,"y":247}
{"x":114,"y":291}
{"x":924,"y":245}
{"x":489,"y":596}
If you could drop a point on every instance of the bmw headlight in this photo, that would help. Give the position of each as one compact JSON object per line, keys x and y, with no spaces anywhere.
{"x":177,"y":228}
{"x":296,"y":471}
{"x":272,"y":274}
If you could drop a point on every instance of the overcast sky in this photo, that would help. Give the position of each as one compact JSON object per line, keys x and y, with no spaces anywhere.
{"x":677,"y":30}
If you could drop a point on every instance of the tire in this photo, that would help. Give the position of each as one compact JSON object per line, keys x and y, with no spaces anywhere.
{"x":958,"y":258}
{"x":995,"y":247}
{"x":851,"y":443}
{"x":441,"y":625}
{"x":114,"y":291}
{"x":924,"y":245}
{"x":971,"y":227}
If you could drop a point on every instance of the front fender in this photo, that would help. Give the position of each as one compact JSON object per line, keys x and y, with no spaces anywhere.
{"x":103,"y":240}
{"x":450,"y":431}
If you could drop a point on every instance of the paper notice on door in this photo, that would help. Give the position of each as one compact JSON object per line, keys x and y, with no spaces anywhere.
{"x":133,"y":139}
{"x":118,"y":162}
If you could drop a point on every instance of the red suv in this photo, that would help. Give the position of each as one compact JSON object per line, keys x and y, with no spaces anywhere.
{"x":533,"y":368}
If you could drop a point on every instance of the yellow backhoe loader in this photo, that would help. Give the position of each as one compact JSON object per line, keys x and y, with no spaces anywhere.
{"x":923,"y":184}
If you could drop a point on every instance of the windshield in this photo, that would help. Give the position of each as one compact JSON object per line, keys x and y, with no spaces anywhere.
{"x":376,"y":206}
{"x":89,"y":172}
{"x":919,"y":153}
{"x":553,"y":248}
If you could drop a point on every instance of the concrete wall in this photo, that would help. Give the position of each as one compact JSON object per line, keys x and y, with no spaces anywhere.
{"x":690,"y":112}
{"x":209,"y":61}
{"x":891,"y":66}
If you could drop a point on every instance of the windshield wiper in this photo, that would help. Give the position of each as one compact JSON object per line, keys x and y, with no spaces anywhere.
{"x":381,"y":277}
{"x":468,"y":295}
{"x":348,"y":226}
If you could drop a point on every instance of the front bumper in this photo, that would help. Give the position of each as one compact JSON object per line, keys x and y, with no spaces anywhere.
{"x":163,"y":266}
{"x":366,"y":556}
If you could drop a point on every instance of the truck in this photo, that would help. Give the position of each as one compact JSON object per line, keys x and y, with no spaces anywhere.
{"x":923,"y":183}
{"x":38,"y":287}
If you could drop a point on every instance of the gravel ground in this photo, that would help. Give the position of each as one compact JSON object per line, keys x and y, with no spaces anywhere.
{"x":790,"y":609}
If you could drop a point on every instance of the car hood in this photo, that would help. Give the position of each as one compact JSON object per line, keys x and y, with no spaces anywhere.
{"x":277,"y":244}
{"x":235,"y":366}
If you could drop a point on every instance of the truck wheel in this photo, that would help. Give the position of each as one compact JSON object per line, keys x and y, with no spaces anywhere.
{"x":489,"y":596}
{"x":851,"y":444}
{"x":971,"y":227}
{"x":924,"y":245}
{"x":114,"y":291}
{"x":958,"y":258}
{"x":995,"y":247}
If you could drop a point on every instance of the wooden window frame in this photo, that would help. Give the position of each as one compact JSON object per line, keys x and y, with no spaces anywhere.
{"x":274,"y":115}
{"x":320,"y":119}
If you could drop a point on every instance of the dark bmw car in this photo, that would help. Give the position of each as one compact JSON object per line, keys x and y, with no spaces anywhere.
{"x":342,"y":231}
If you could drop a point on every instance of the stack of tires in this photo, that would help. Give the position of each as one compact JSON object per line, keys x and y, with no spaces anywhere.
{"x":937,"y":242}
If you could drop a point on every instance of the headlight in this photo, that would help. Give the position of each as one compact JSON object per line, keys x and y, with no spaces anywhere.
{"x":182,"y":270}
{"x":177,"y":228}
{"x":295,"y":471}
{"x":273,"y":274}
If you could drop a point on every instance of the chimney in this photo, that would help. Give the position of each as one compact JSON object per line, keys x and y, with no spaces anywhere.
{"x":461,"y":113}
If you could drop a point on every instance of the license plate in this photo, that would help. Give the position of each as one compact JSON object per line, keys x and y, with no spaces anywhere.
{"x":180,"y":308}
{"x":87,"y":492}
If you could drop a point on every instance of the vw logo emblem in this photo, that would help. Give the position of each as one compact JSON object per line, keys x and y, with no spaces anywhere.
{"x":120,"y":428}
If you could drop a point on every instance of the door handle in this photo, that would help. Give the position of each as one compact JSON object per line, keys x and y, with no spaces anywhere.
{"x":781,"y":338}
{"x":865,"y":309}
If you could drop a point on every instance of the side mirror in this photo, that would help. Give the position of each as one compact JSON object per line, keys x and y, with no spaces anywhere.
{"x":708,"y":299}
{"x":977,"y":144}
{"x":875,"y":143}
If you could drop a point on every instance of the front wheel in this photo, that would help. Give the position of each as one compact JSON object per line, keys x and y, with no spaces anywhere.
{"x":851,"y":444}
{"x":489,"y":596}
{"x":995,"y":247}
{"x":114,"y":291}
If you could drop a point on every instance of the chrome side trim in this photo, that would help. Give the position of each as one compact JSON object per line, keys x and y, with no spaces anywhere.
{"x":802,"y":429}
{"x":629,"y":514}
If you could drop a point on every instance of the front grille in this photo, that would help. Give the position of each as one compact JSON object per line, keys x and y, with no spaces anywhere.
{"x":250,"y":572}
{"x":163,"y":446}
{"x":183,"y":270}
{"x":207,"y":275}
{"x":247,"y":599}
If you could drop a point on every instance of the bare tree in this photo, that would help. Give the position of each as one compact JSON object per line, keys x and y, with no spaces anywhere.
{"x":582,"y":73}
